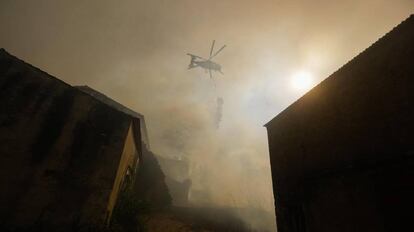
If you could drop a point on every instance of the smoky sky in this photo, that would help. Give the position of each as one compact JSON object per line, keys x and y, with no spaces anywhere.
{"x":135,"y":52}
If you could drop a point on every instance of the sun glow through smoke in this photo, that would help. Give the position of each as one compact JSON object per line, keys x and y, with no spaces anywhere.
{"x":302,"y":81}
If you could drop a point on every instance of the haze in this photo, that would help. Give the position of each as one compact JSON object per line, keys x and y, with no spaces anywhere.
{"x":135,"y":52}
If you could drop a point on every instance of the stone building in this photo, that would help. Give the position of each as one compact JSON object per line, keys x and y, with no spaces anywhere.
{"x":65,"y":152}
{"x":342,"y":156}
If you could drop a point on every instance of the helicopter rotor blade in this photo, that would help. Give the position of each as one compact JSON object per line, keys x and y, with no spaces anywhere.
{"x":212,"y":48}
{"x":215,"y":54}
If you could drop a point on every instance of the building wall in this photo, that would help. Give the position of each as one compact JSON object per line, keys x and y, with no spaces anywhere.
{"x":334,"y":151}
{"x":59,"y":150}
{"x":126,"y":169}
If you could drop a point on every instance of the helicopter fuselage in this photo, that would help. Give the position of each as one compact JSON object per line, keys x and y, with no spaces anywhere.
{"x":197,"y":61}
{"x":208,"y":64}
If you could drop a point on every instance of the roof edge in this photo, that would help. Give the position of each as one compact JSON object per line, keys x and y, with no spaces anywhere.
{"x":386,"y":35}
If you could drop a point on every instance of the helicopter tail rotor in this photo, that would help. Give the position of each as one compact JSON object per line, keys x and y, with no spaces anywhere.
{"x":194,"y":56}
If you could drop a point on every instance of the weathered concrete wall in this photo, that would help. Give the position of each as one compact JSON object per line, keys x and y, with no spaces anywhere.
{"x":59,"y":150}
{"x":140,"y":119}
{"x":126,"y":170}
{"x":334,"y":150}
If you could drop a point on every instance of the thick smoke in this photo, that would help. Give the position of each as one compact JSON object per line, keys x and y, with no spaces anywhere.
{"x":134,"y":52}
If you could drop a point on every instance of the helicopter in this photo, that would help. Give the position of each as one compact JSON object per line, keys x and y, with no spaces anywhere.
{"x":206,"y":64}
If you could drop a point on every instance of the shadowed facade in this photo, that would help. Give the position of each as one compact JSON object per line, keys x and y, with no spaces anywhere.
{"x":342,"y":156}
{"x":64,"y":153}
